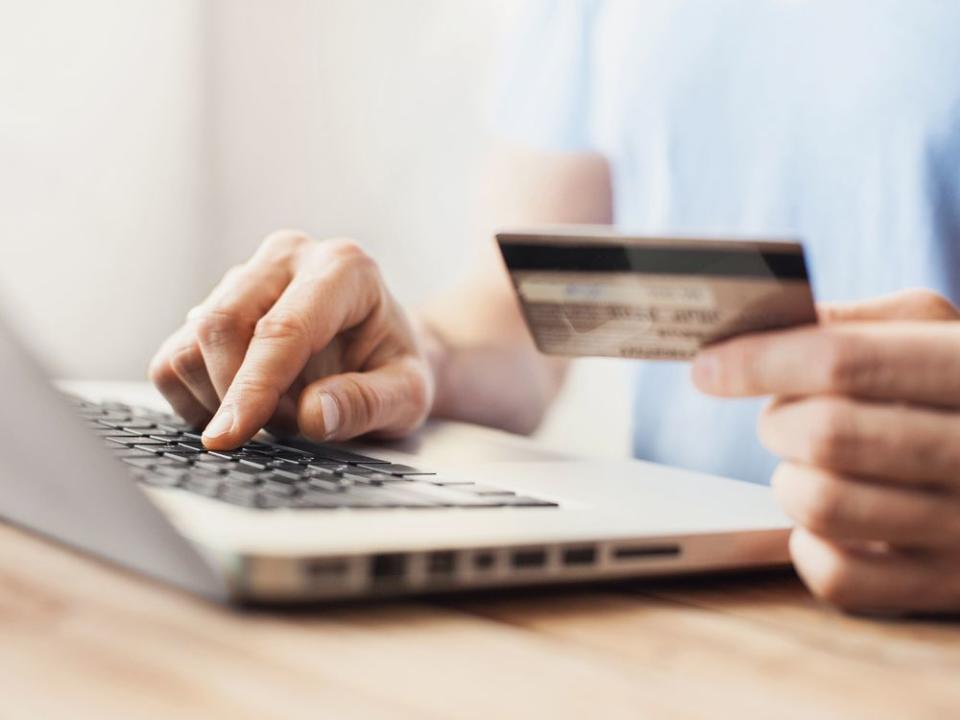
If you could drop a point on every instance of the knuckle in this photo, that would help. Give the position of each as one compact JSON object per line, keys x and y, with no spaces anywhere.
{"x":350,"y":253}
{"x":846,"y":362}
{"x":161,"y":372}
{"x":281,"y":327}
{"x":216,"y":325}
{"x":933,"y":305}
{"x":833,"y":583}
{"x":285,"y":243}
{"x":234,"y":272}
{"x":187,"y":360}
{"x":833,"y":437}
{"x":246,"y":391}
{"x":821,"y":509}
{"x":420,"y":393}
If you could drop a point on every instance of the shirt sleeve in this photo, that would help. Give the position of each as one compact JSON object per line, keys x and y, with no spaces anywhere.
{"x":542,"y":94}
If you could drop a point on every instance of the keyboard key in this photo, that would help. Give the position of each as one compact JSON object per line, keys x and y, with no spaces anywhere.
{"x":181,"y":456}
{"x":246,"y":496}
{"x":169,"y":426}
{"x":316,"y":483}
{"x":202,"y":484}
{"x":138,"y":425}
{"x":278,"y":488}
{"x":221,"y":468}
{"x":396,"y":469}
{"x":474,"y":489}
{"x":448,"y":497}
{"x":328,"y":453}
{"x":145,"y":463}
{"x":282,"y":475}
{"x":131,"y":440}
{"x":524,"y":501}
{"x":257,"y":463}
{"x":158,"y":480}
{"x":332,"y":469}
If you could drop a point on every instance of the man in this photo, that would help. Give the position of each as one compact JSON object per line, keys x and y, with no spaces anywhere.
{"x":837,"y":122}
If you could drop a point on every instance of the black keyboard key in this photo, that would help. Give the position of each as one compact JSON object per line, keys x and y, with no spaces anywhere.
{"x":328,"y":470}
{"x":224,"y":454}
{"x":139,"y":425}
{"x":323,"y":484}
{"x":171,"y":469}
{"x":203,"y":484}
{"x":145,"y":463}
{"x":268,"y":501}
{"x":131,"y":440}
{"x":448,"y":498}
{"x":158,"y":480}
{"x":278,"y":488}
{"x":170,"y":437}
{"x":256,"y":463}
{"x":282,"y":475}
{"x":246,"y":496}
{"x":474,"y":489}
{"x":169,"y":426}
{"x":246,"y":470}
{"x":325,"y":452}
{"x":181,"y":456}
{"x":524,"y":501}
{"x":396,"y":469}
{"x":216,"y":468}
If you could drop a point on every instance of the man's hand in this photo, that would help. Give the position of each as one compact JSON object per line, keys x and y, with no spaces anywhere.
{"x":866,"y":417}
{"x":305,"y":337}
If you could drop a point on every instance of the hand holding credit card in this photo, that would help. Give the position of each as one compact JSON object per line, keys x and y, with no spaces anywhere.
{"x":586,"y":292}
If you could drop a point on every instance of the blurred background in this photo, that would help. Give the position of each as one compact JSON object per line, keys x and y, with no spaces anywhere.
{"x":147,"y":145}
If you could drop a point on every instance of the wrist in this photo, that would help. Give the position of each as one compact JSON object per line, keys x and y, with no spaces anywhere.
{"x":436,"y":351}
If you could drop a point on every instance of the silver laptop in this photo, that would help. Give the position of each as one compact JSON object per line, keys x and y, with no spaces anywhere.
{"x":454,"y":508}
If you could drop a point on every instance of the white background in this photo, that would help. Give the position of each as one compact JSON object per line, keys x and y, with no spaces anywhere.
{"x":146,"y":145}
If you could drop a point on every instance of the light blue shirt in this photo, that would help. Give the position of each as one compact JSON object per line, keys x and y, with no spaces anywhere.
{"x":837,"y":121}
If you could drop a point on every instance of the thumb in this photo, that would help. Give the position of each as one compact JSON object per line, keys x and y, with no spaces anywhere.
{"x":914,"y":304}
{"x":393,"y":399}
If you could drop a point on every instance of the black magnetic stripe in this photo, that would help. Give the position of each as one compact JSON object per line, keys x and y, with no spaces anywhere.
{"x":724,"y":262}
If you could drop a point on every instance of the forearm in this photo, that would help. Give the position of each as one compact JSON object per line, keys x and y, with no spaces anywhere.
{"x":485,"y":366}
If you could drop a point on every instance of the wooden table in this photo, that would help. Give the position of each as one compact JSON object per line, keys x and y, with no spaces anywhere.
{"x":80,"y":639}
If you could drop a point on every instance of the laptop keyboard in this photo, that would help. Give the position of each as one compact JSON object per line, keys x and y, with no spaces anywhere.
{"x":163,"y":451}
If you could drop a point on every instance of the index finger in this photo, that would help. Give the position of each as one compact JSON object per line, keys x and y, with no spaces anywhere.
{"x":325,"y":297}
{"x":910,"y":362}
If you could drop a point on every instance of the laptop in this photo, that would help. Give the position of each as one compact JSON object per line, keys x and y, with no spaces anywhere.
{"x":287,"y":521}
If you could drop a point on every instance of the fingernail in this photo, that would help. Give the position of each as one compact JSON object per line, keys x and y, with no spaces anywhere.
{"x":706,"y":369}
{"x":331,"y":414}
{"x":221,"y":424}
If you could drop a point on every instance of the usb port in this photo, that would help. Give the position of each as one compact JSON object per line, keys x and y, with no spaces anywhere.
{"x":580,"y":556}
{"x":636,"y":552}
{"x":441,"y":563}
{"x":529,"y":558}
{"x":388,"y":568}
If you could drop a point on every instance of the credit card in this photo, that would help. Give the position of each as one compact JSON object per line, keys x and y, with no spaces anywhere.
{"x":586,"y":292}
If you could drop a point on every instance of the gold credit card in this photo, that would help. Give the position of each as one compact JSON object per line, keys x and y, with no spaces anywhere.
{"x":586,"y":292}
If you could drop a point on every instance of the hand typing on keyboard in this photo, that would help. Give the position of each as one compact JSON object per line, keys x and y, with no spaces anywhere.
{"x":304,"y":337}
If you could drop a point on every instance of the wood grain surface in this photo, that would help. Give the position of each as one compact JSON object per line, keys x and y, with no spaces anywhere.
{"x":80,"y":639}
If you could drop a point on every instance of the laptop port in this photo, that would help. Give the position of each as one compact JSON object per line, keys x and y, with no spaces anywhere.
{"x":637,"y":552}
{"x":579,"y":556}
{"x":388,"y":568}
{"x":527,"y":559}
{"x":441,"y":564}
{"x":484,"y":560}
{"x":324,"y":569}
